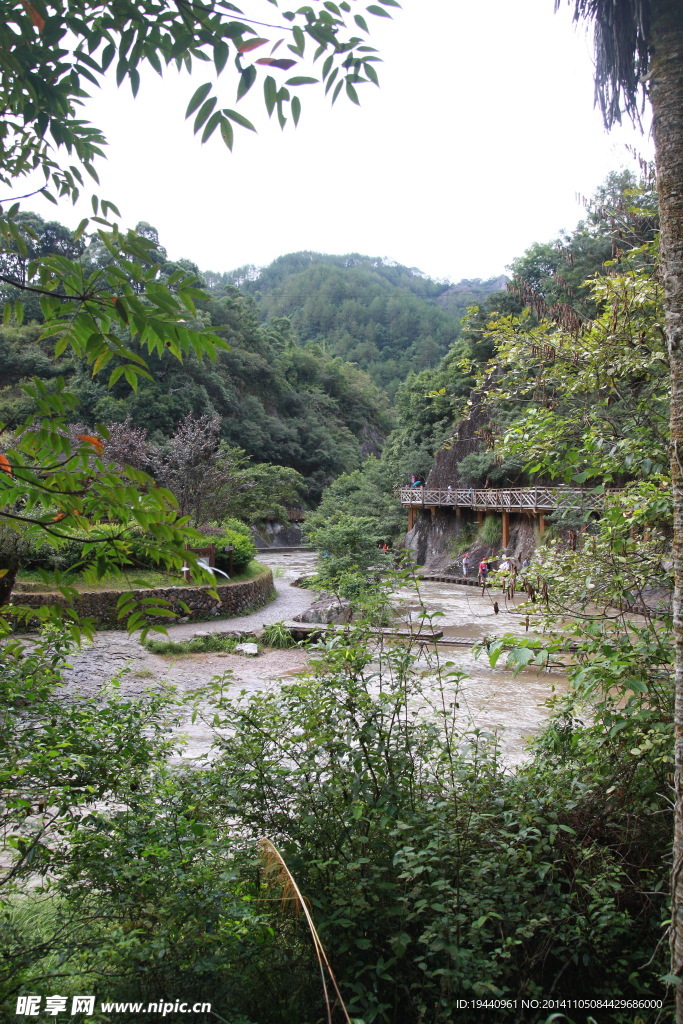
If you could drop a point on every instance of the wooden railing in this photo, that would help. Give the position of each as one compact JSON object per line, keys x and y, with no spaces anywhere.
{"x":514,"y":499}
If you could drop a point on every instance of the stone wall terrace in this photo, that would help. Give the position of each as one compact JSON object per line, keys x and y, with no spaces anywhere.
{"x":101,"y":605}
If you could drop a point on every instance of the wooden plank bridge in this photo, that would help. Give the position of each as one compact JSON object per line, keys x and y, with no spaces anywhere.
{"x":537,"y":501}
{"x":511,"y":499}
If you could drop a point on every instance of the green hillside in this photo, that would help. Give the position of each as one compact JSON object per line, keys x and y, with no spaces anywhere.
{"x":389,"y":319}
{"x":277,"y":400}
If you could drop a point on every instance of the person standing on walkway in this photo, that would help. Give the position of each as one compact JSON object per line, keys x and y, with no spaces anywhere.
{"x":483,"y":570}
{"x":465,"y":563}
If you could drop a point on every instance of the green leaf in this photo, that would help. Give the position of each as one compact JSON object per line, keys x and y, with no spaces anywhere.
{"x":301,"y":80}
{"x":80,"y":229}
{"x":371,"y":73}
{"x":239,"y":119}
{"x":221,"y":52}
{"x":211,"y":125}
{"x":247,"y":79}
{"x":199,"y":96}
{"x":270,"y":94}
{"x":299,"y":40}
{"x":352,"y":94}
{"x":108,"y":55}
{"x":227,"y":133}
{"x":296,"y":109}
{"x":204,"y":112}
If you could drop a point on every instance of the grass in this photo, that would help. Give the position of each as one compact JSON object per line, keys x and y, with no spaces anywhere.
{"x":143,"y":673}
{"x":491,"y":531}
{"x":276,"y":634}
{"x":213,"y":643}
{"x":463,"y":542}
{"x":31,"y":919}
{"x":134,"y":579}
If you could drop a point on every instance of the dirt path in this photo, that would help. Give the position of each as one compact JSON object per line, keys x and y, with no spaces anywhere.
{"x":113,"y":653}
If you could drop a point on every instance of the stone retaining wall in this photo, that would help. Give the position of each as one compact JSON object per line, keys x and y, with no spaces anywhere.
{"x":100,"y":605}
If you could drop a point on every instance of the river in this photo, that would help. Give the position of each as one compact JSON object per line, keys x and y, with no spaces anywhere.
{"x":490,"y":698}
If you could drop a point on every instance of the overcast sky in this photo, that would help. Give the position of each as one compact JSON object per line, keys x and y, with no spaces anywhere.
{"x":475,"y":146}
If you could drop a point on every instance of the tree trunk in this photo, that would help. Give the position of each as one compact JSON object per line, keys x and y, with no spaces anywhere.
{"x":666,"y":94}
{"x":7,"y":582}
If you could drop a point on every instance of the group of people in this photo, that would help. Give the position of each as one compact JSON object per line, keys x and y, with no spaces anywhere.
{"x":485,"y":566}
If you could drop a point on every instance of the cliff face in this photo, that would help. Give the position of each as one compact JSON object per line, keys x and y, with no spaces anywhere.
{"x":440,"y":538}
{"x":469,"y":436}
{"x":437,"y":537}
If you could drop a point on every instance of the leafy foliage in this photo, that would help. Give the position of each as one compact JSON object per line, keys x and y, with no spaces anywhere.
{"x":431,"y":871}
{"x":276,"y":634}
{"x":54,"y":54}
{"x":597,"y":403}
{"x":243,"y":548}
{"x":209,"y":644}
{"x":350,"y":548}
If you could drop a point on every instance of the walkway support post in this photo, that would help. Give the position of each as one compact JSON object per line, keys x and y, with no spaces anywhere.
{"x":506,"y":529}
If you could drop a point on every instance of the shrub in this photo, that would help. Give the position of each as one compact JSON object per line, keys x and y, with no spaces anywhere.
{"x":243,"y":546}
{"x":433,"y":872}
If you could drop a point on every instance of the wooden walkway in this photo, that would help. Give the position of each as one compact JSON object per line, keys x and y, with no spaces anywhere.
{"x":463,"y":581}
{"x":494,"y":499}
{"x":303,"y":631}
{"x":307,"y":630}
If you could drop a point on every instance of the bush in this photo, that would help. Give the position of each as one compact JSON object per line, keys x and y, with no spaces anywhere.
{"x":431,"y":871}
{"x":243,"y":546}
{"x":136,"y":551}
{"x":39,"y":555}
{"x":237,"y":526}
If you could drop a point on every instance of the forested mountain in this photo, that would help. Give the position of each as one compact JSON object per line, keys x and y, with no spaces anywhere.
{"x":281,"y":402}
{"x":388,"y":319}
{"x":285,"y":391}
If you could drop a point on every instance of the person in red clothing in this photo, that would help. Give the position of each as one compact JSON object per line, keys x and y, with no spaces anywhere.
{"x":483,"y":570}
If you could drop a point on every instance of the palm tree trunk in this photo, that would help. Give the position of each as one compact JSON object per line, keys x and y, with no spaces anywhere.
{"x":666,"y":94}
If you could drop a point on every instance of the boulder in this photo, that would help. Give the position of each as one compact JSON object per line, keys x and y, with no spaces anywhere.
{"x":328,"y":610}
{"x":249,"y":650}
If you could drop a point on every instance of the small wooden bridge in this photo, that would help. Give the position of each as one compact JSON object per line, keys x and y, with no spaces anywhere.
{"x":494,"y":499}
{"x":538,"y":501}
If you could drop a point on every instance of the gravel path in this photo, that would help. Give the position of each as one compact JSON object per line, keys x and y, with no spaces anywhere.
{"x":288,"y":603}
{"x":114,"y":653}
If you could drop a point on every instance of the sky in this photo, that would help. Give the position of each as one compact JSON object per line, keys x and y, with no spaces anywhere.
{"x":477,"y":144}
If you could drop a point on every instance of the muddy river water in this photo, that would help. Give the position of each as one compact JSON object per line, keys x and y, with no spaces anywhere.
{"x":490,"y":698}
